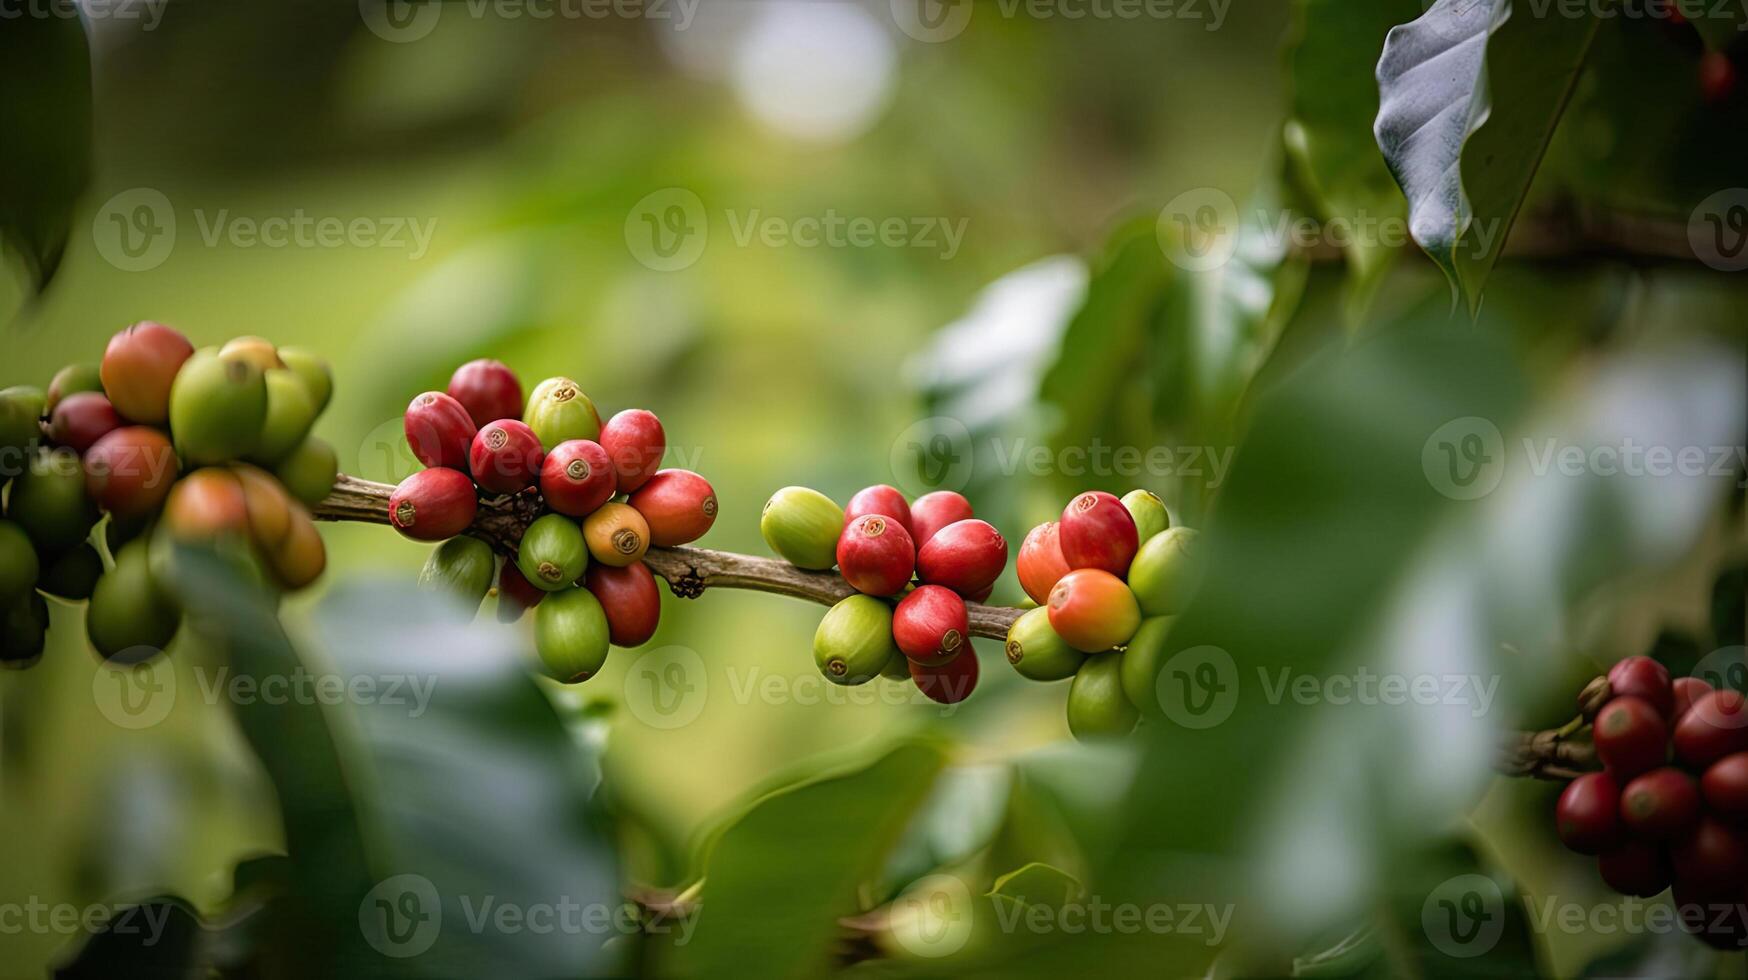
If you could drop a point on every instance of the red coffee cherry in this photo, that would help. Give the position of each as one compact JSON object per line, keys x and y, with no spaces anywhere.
{"x":630,"y":598}
{"x":1099,"y":532}
{"x":1712,"y":858}
{"x":1587,"y":817}
{"x":505,"y":456}
{"x":948,"y":683}
{"x":634,"y":441}
{"x":516,"y":595}
{"x":439,"y":430}
{"x":488,"y":391}
{"x":1642,"y":677}
{"x":875,"y":555}
{"x":879,"y":499}
{"x":577,"y":477}
{"x":933,"y":511}
{"x":1660,"y":804}
{"x":1715,"y":917}
{"x":1717,"y":76}
{"x":1687,"y":691}
{"x":1630,"y":737}
{"x":1093,"y":611}
{"x":1725,"y":786}
{"x":129,"y":471}
{"x":138,"y":367}
{"x":679,"y":506}
{"x":965,"y":556}
{"x":1635,"y":868}
{"x":82,"y":419}
{"x":433,"y":504}
{"x":1040,"y":563}
{"x":1716,"y":726}
{"x":930,"y":625}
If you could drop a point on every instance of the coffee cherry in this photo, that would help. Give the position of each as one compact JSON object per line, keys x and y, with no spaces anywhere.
{"x":258,"y":351}
{"x":488,"y":390}
{"x":630,"y":599}
{"x":930,"y":625}
{"x":24,"y":627}
{"x":310,"y":471}
{"x":1097,"y":707}
{"x":130,"y":471}
{"x":1037,"y":652}
{"x":48,"y":500}
{"x":20,"y":428}
{"x":1093,"y":610}
{"x":18,"y":562}
{"x":505,"y":457}
{"x":1642,"y":677}
{"x":1714,"y":916}
{"x":679,"y":506}
{"x":1097,"y":532}
{"x":1717,"y":77}
{"x":434,"y":504}
{"x":268,"y":506}
{"x":217,"y":408}
{"x":207,"y":504}
{"x":1716,"y":726}
{"x":1711,"y":858}
{"x":802,"y":525}
{"x":1630,"y":737}
{"x":933,"y":511}
{"x":1149,"y":513}
{"x":290,"y":414}
{"x":897,"y":667}
{"x":72,"y":574}
{"x":1725,"y":785}
{"x":965,"y":556}
{"x":1040,"y":564}
{"x":879,"y":499}
{"x":1143,"y":660}
{"x":318,"y":378}
{"x":139,"y":366}
{"x":439,"y":430}
{"x":130,"y":609}
{"x":1587,"y":817}
{"x":558,"y":411}
{"x":553,"y":554}
{"x":71,"y":380}
{"x":301,"y":557}
{"x":875,"y":555}
{"x":634,"y":441}
{"x":1166,"y":571}
{"x":616,"y":534}
{"x":854,"y":640}
{"x":950,"y":682}
{"x":462,"y":569}
{"x":577,"y":477}
{"x":571,"y":635}
{"x":1687,"y":690}
{"x":1635,"y":868}
{"x":81,"y":419}
{"x":516,"y":595}
{"x":118,"y":531}
{"x":1660,"y":803}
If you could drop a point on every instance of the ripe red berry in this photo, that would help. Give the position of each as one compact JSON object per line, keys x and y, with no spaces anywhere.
{"x":439,"y":430}
{"x":634,"y":441}
{"x":1040,"y":563}
{"x":1660,"y":804}
{"x":138,"y":367}
{"x":1711,"y":858}
{"x":488,"y":390}
{"x":1630,"y":737}
{"x":1642,"y":677}
{"x":1093,"y":611}
{"x":1687,"y":691}
{"x":82,"y":419}
{"x":1587,"y":817}
{"x":1716,"y":726}
{"x":875,"y":555}
{"x":879,"y":499}
{"x":516,"y":595}
{"x":1725,"y":786}
{"x":930,"y":625}
{"x":1099,"y":532}
{"x":433,"y":504}
{"x":1635,"y":868}
{"x":679,"y":505}
{"x":129,"y":471}
{"x":948,"y":683}
{"x":630,"y":599}
{"x":965,"y":556}
{"x":505,"y":456}
{"x":1717,"y":76}
{"x":933,"y":511}
{"x":577,"y":478}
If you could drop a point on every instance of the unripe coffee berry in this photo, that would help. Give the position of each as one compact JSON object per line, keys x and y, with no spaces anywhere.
{"x":129,"y":609}
{"x":1166,"y":571}
{"x":965,"y":556}
{"x":571,"y":635}
{"x":268,"y":506}
{"x":1630,"y":736}
{"x":49,"y":501}
{"x":318,"y":377}
{"x":1035,"y":650}
{"x":950,"y":682}
{"x":505,"y":457}
{"x":301,"y":557}
{"x":217,"y":409}
{"x":488,"y":391}
{"x":879,"y":499}
{"x":71,"y":380}
{"x":1093,"y":610}
{"x":1636,"y":868}
{"x":679,"y":505}
{"x":930,"y":625}
{"x":433,"y":504}
{"x":629,"y":598}
{"x":875,"y":555}
{"x":1687,"y":690}
{"x":576,"y":478}
{"x":1040,"y":563}
{"x":310,"y":471}
{"x":258,"y":351}
{"x":24,"y":626}
{"x":291,"y":410}
{"x":1716,"y":726}
{"x":1097,"y":532}
{"x":129,"y":471}
{"x":460,"y":569}
{"x":933,"y":511}
{"x":634,"y":441}
{"x":72,"y":575}
{"x":1725,"y":786}
{"x":207,"y":504}
{"x":552,"y":553}
{"x":81,"y":419}
{"x":439,"y":430}
{"x":1660,"y":804}
{"x":558,"y":411}
{"x":1143,"y":660}
{"x":1149,"y":513}
{"x":19,"y":565}
{"x":1587,"y":818}
{"x":1097,"y":707}
{"x":139,"y":366}
{"x":1642,"y":677}
{"x":802,"y":525}
{"x":516,"y":595}
{"x":854,"y":641}
{"x":617,"y":535}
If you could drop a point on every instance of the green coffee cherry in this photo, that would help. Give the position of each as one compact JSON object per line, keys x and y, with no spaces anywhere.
{"x":72,"y":574}
{"x":72,"y":380}
{"x":129,"y":609}
{"x":558,"y":411}
{"x":310,"y":471}
{"x":1142,"y":662}
{"x":1165,"y":572}
{"x":24,"y":627}
{"x":802,"y":525}
{"x":1149,"y":512}
{"x":571,"y":635}
{"x":854,"y":641}
{"x":318,"y":378}
{"x":28,"y":397}
{"x":20,"y":429}
{"x":217,"y":408}
{"x":1097,"y":707}
{"x":1037,"y":652}
{"x":290,"y":413}
{"x":48,"y":500}
{"x":552,"y":554}
{"x":461,"y":567}
{"x":18,"y":563}
{"x":897,"y":667}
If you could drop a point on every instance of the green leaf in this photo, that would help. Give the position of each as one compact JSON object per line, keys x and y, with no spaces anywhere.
{"x":1471,"y":94}
{"x":45,"y":114}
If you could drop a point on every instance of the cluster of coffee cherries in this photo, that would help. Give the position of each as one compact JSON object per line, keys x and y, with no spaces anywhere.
{"x":879,"y":543}
{"x":601,"y":497}
{"x":157,"y":442}
{"x":1108,"y":579}
{"x":1670,"y":808}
